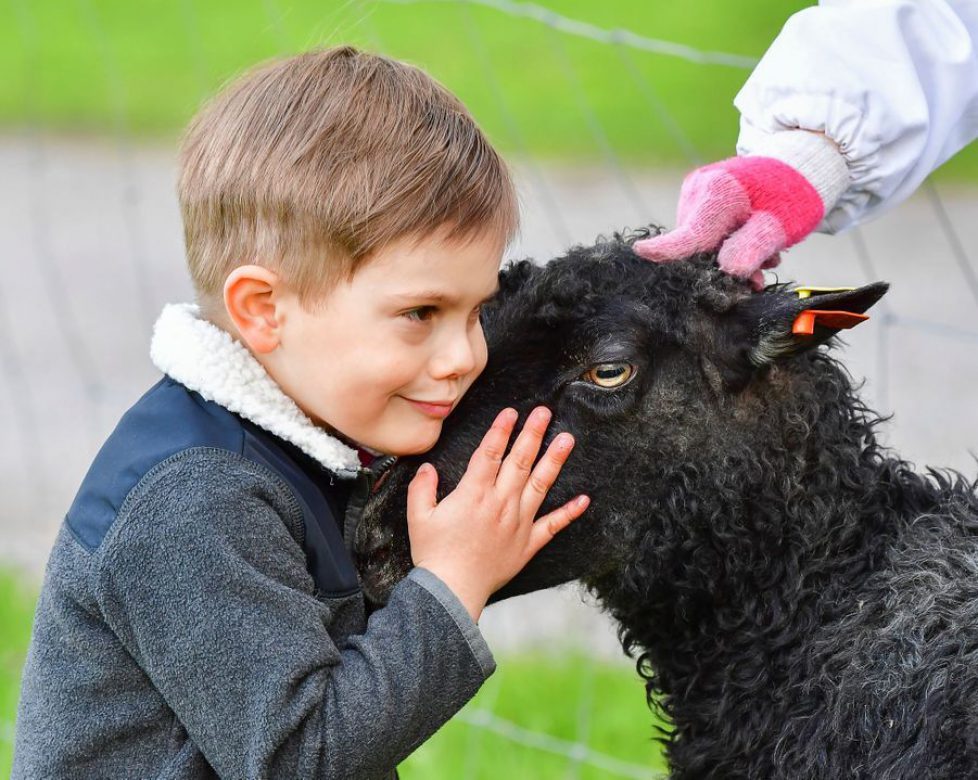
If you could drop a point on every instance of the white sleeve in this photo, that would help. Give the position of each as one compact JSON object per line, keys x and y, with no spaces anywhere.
{"x":893,"y":82}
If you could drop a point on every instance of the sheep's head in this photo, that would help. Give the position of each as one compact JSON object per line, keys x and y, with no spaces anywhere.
{"x":646,"y":364}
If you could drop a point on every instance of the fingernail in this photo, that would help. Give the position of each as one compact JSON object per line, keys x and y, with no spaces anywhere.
{"x":509,"y":415}
{"x":565,"y":441}
{"x":426,"y":468}
{"x":582,"y":500}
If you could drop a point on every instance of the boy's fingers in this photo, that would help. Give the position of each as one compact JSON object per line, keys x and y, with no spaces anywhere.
{"x":518,"y":464}
{"x":545,"y":474}
{"x":484,"y":463}
{"x":422,"y":492}
{"x":547,"y":527}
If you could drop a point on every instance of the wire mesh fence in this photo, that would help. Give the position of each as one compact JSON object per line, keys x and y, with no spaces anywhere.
{"x":92,"y":250}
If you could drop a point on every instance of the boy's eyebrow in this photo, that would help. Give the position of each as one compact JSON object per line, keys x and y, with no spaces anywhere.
{"x":437,"y":296}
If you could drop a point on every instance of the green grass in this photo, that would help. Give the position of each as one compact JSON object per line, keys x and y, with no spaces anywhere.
{"x":142,"y":68}
{"x":16,"y":613}
{"x":568,"y":696}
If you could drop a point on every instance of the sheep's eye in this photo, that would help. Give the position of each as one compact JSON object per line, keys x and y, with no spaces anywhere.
{"x":609,"y":374}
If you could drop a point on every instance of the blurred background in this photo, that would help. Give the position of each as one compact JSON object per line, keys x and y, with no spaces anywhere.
{"x":600,"y":108}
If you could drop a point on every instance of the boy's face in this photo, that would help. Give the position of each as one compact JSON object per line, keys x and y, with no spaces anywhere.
{"x":403,"y":333}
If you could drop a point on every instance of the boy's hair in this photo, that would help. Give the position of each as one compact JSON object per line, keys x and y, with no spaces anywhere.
{"x":310,"y":164}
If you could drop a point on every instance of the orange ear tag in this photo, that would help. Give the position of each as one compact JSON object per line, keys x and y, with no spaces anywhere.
{"x":804,"y":324}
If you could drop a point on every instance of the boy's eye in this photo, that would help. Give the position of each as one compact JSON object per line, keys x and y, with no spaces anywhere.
{"x":420,"y":314}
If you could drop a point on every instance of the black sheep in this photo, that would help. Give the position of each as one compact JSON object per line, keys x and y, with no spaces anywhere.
{"x":802,"y":602}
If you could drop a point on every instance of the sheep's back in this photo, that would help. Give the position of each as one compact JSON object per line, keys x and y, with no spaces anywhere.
{"x":895,"y":674}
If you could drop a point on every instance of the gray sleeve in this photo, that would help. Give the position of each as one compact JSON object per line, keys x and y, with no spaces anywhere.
{"x":206,"y":588}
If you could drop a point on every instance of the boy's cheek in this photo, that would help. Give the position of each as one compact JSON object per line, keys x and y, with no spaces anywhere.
{"x":473,"y":375}
{"x":482,"y":359}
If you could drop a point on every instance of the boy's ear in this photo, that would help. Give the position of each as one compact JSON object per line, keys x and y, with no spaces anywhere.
{"x":249,"y":301}
{"x":778,"y":323}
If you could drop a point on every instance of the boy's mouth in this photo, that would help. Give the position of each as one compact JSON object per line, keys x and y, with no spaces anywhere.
{"x":439,"y":409}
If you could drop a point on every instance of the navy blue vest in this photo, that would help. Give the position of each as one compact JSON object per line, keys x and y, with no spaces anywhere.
{"x":170,"y":418}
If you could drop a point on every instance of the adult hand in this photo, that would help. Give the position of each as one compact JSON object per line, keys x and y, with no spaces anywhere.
{"x":748,"y":209}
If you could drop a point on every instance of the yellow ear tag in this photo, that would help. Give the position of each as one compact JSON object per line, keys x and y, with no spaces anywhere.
{"x":807,"y":292}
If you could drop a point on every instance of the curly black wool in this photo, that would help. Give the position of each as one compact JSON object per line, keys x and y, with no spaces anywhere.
{"x":801,"y":602}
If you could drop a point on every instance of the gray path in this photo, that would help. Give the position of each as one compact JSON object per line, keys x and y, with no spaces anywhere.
{"x":90,"y":249}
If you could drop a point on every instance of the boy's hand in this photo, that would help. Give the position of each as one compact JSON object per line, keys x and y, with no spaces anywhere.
{"x":483,"y":533}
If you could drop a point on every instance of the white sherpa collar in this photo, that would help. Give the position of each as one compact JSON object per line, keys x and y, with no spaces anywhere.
{"x":206,"y":359}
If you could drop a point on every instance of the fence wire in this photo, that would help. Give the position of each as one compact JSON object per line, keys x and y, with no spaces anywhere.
{"x":564,"y":24}
{"x":576,"y":752}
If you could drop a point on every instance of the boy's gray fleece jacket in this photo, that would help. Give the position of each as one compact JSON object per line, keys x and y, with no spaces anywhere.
{"x":200,"y":615}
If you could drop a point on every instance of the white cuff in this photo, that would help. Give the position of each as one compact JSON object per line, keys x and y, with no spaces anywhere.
{"x":814,"y":155}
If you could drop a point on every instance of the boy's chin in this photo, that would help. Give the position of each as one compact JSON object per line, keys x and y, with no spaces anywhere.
{"x":421,"y":442}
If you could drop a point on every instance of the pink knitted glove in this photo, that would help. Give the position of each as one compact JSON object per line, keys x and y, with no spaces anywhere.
{"x":751,"y":207}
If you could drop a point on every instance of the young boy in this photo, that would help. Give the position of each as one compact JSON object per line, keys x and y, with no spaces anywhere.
{"x":201,"y":616}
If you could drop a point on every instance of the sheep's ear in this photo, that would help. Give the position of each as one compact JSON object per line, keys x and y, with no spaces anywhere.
{"x":779,"y":323}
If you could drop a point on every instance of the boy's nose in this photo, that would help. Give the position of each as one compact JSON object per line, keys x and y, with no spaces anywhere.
{"x":456,"y":359}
